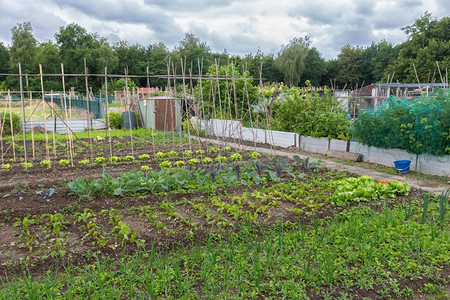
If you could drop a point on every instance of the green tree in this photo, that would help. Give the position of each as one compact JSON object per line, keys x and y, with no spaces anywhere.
{"x":121,"y":85}
{"x":291,"y":60}
{"x":23,"y":47}
{"x":132,"y":57}
{"x":329,"y":78}
{"x":193,"y":50}
{"x":428,"y":42}
{"x":47,"y":54}
{"x":4,"y":61}
{"x":315,"y":67}
{"x":76,"y":44}
{"x":253,"y":63}
{"x":157,"y":63}
{"x":103,"y":56}
{"x":350,"y":63}
{"x":377,"y":58}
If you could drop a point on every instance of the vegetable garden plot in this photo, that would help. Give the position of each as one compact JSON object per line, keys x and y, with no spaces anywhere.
{"x":235,"y":201}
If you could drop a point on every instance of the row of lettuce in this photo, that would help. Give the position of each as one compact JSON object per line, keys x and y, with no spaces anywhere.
{"x":165,"y":159}
{"x":188,"y":179}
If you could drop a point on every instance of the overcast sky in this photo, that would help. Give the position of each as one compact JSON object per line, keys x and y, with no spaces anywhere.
{"x":239,"y":26}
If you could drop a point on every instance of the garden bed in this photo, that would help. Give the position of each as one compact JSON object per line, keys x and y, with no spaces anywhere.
{"x":254,"y":227}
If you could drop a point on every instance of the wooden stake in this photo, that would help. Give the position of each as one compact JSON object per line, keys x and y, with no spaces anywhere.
{"x":173,"y":103}
{"x":440,"y":74}
{"x":107,"y":112}
{"x":146,"y":115}
{"x":32,"y":129}
{"x":2,"y":125}
{"x":68,"y":143}
{"x":129,"y":111}
{"x":13,"y":143}
{"x":188,"y":121}
{"x":47,"y":152}
{"x":88,"y":114}
{"x":54,"y":125}
{"x":22,"y":100}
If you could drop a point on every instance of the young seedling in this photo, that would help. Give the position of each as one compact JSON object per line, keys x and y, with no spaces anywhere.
{"x":84,"y":162}
{"x":144,"y":156}
{"x":16,"y":192}
{"x":99,"y":160}
{"x":63,"y":162}
{"x":46,"y":163}
{"x":45,"y":193}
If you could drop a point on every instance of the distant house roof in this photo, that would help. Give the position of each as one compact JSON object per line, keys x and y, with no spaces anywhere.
{"x":410,"y":85}
{"x":147,"y":90}
{"x":366,"y":90}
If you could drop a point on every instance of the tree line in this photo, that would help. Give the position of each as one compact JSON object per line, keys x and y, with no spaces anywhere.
{"x":426,"y":47}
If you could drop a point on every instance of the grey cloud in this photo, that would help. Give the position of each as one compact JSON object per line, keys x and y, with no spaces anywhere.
{"x":154,"y":19}
{"x":44,"y":23}
{"x":239,"y":44}
{"x":364,"y":7}
{"x":194,"y":5}
{"x":409,"y":4}
{"x":443,"y":8}
{"x":388,"y":22}
{"x":319,"y":13}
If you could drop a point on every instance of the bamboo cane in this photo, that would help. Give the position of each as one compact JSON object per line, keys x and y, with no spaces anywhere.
{"x":22,"y":101}
{"x":47,"y":152}
{"x":32,"y":128}
{"x":13,"y":143}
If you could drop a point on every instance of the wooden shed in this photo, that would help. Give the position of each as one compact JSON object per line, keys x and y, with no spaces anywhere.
{"x":161,"y":113}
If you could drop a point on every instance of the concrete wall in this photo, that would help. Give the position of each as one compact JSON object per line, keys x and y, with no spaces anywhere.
{"x":282,"y":139}
{"x":425,"y":163}
{"x":316,"y":145}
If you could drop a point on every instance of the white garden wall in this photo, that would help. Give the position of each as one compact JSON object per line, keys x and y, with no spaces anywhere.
{"x":425,"y":163}
{"x":316,"y":145}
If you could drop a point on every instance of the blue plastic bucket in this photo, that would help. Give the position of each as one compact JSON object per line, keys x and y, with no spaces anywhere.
{"x":402,"y":166}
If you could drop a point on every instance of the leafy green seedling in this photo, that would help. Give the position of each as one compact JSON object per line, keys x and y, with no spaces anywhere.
{"x":145,"y":168}
{"x":160,"y":155}
{"x":6,"y":166}
{"x":213,"y":150}
{"x":144,"y":156}
{"x":63,"y":162}
{"x":254,"y":155}
{"x":165,"y":164}
{"x":194,"y":161}
{"x":207,"y":160}
{"x":46,"y":163}
{"x":84,"y":161}
{"x":99,"y":160}
{"x":236,"y":157}
{"x":179,"y":163}
{"x":115,"y":159}
{"x":45,"y":193}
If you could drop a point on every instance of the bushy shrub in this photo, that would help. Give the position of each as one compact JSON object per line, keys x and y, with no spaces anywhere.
{"x":115,"y":119}
{"x":5,"y":121}
{"x":311,"y":114}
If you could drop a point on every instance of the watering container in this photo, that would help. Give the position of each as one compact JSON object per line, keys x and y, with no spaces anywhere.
{"x":402,"y":166}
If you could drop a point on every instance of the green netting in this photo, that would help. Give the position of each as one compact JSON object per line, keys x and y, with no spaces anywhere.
{"x":418,"y":126}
